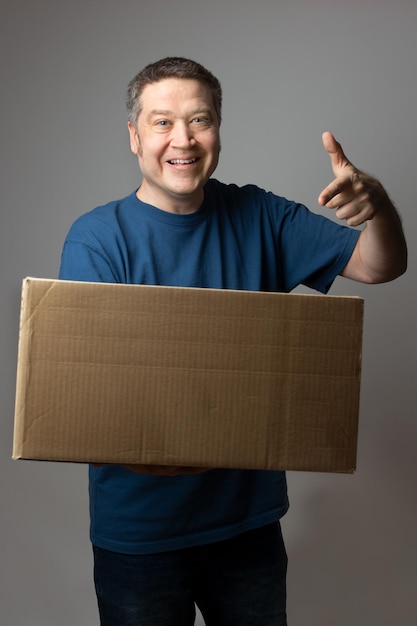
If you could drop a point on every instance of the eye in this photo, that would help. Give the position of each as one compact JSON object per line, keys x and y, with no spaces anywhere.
{"x":201,"y":120}
{"x":161,"y":125}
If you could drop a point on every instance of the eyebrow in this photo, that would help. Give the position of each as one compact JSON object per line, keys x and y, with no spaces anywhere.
{"x":203,"y":109}
{"x":159,"y":112}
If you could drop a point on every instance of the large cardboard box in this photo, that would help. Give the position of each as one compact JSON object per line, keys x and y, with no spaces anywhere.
{"x":179,"y":376}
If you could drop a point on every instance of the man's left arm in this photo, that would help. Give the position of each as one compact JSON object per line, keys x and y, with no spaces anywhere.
{"x":380,"y":254}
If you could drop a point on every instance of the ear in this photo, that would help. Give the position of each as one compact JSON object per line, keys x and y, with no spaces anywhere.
{"x":134,"y":138}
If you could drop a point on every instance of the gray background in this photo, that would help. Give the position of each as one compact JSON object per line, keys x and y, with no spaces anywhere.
{"x":289,"y":69}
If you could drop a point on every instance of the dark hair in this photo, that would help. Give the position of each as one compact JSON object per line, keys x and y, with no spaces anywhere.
{"x":170,"y":67}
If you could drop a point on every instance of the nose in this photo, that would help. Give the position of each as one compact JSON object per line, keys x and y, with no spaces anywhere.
{"x":182,"y":135}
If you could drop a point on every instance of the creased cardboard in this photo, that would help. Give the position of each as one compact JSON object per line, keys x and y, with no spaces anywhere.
{"x":179,"y":376}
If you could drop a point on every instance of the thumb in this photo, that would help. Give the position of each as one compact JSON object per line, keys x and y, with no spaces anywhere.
{"x":333,"y":148}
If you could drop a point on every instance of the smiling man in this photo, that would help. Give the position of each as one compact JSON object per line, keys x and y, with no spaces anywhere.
{"x":168,"y":538}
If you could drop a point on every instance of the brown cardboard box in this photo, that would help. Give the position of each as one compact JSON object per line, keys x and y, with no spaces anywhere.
{"x":199,"y":377}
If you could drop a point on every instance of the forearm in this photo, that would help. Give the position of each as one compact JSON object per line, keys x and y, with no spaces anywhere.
{"x":381,"y":252}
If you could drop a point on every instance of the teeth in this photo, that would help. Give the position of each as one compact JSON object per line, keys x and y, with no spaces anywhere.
{"x":182,"y":161}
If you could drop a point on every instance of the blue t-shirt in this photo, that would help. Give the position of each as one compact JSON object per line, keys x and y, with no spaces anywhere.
{"x":240,"y":238}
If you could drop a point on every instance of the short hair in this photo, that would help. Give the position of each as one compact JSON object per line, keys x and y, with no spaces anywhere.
{"x":170,"y":67}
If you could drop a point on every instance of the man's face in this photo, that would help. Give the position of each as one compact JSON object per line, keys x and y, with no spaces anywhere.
{"x":177,"y":143}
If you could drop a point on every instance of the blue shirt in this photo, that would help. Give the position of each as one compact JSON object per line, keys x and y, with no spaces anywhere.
{"x":240,"y":238}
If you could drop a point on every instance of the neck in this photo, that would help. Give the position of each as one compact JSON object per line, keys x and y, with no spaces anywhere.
{"x":181,"y":205}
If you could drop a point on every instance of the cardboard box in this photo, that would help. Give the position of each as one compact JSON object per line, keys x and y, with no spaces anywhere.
{"x":198,"y":377}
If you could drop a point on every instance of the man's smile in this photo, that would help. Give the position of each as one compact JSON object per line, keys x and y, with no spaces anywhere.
{"x":182,"y":161}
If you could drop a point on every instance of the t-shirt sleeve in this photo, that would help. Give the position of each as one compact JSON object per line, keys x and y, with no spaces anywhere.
{"x":83,"y":257}
{"x":312,"y":248}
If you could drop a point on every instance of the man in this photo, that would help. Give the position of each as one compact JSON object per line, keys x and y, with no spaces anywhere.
{"x":166,"y":539}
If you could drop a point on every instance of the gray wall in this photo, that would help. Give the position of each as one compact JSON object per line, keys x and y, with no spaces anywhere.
{"x":290,"y":69}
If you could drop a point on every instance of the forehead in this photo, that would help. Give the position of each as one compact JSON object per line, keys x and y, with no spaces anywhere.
{"x":174,"y":94}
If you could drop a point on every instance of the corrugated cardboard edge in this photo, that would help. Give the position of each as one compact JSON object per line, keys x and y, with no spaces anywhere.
{"x":22,"y":374}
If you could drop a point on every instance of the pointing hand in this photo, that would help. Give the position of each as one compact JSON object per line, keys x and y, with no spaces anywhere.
{"x":355,"y":196}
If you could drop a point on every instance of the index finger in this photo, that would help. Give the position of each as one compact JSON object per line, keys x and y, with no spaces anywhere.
{"x":328,"y":195}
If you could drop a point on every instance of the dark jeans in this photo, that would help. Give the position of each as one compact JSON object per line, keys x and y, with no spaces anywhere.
{"x":237,"y":582}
